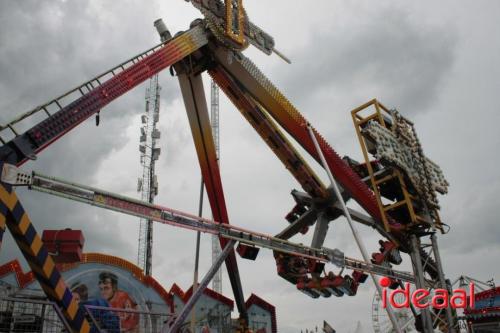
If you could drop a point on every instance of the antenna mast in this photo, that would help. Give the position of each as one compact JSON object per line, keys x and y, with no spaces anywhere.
{"x":148,"y":184}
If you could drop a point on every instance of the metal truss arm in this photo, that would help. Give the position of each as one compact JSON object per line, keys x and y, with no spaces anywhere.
{"x":25,"y":146}
{"x":118,"y":203}
{"x":270,"y":133}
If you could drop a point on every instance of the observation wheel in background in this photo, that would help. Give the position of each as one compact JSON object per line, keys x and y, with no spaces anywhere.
{"x":380,"y":319}
{"x":405,"y":316}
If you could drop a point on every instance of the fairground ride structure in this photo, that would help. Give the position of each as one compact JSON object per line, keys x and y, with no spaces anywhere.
{"x":397,"y":189}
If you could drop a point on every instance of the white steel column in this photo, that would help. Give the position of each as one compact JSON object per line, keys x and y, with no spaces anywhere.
{"x":359,"y":242}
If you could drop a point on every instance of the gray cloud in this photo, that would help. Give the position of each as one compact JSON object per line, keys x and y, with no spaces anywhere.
{"x":388,"y":56}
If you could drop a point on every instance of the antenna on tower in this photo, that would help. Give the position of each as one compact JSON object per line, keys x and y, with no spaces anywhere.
{"x":214,"y":118}
{"x":148,"y":184}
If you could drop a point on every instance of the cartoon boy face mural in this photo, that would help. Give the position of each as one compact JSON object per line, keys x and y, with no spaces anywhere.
{"x":119,"y":299}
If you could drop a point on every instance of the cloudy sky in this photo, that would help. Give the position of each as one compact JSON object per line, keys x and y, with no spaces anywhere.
{"x":438,"y":63}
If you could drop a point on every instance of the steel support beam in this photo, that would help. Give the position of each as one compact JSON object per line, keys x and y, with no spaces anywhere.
{"x":368,"y":221}
{"x":200,"y":289}
{"x":442,"y":281}
{"x":199,"y":121}
{"x":320,"y":230}
{"x":304,"y":220}
{"x":420,"y":281}
{"x":354,"y":230}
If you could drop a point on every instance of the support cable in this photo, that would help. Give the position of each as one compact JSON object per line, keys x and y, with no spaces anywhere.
{"x":197,"y":255}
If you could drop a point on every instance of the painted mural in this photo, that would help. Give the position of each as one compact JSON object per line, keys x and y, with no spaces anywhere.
{"x":101,"y":283}
{"x":122,"y":299}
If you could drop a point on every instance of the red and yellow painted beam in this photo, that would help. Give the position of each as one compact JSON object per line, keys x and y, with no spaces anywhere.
{"x":58,"y":124}
{"x":13,"y":216}
{"x":270,"y":133}
{"x":247,"y":75}
{"x":197,"y":111}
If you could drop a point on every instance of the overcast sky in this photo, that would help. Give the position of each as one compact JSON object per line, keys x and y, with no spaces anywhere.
{"x":437,"y":62}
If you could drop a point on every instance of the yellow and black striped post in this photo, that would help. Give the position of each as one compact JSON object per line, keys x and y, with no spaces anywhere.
{"x":13,"y":216}
{"x":2,"y":226}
